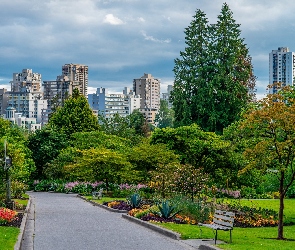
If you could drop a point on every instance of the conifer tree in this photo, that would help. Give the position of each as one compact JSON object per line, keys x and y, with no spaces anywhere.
{"x":214,"y":78}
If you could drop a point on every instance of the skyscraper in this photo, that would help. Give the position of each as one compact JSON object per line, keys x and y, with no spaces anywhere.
{"x":281,"y":67}
{"x":78,"y":74}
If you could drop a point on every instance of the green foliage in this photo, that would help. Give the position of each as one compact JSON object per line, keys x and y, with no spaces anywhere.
{"x":198,"y":210}
{"x":16,"y":148}
{"x":166,"y":210}
{"x":98,"y":164}
{"x":122,"y":127}
{"x":201,"y":149}
{"x":18,"y":189}
{"x":214,"y":75}
{"x":46,"y":145}
{"x":134,"y":200}
{"x":165,"y":116}
{"x":99,"y":139}
{"x":74,"y":116}
{"x":146,"y":157}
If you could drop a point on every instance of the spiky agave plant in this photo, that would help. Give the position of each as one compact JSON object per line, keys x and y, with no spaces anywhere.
{"x":134,"y":200}
{"x":167,"y":210}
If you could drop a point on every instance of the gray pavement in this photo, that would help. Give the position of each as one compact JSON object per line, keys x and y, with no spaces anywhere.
{"x":63,"y":221}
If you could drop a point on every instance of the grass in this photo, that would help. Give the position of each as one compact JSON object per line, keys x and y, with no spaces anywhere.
{"x":103,"y":199}
{"x":247,"y":238}
{"x":21,"y":201}
{"x":8,"y":237}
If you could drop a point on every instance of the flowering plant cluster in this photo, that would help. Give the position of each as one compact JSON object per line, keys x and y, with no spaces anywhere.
{"x":6,"y":215}
{"x":220,"y":193}
{"x":258,"y":221}
{"x":132,"y":187}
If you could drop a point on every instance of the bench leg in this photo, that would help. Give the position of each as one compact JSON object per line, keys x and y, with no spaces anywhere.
{"x":230,"y":236}
{"x":215,"y":236}
{"x":200,"y":232}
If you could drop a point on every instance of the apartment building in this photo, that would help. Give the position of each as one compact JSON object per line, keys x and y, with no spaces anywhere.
{"x":78,"y":74}
{"x":26,"y":79}
{"x":166,"y":95}
{"x":108,"y":104}
{"x":281,"y":67}
{"x":26,"y":123}
{"x":148,"y":88}
{"x":26,"y":96}
{"x":4,"y":97}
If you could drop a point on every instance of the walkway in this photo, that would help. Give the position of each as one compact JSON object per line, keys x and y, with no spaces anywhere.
{"x":63,"y":221}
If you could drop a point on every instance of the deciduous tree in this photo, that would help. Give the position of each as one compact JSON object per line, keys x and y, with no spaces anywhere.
{"x":271,"y":128}
{"x":74,"y":116}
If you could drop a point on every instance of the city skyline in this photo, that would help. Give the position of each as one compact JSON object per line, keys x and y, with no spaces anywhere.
{"x":121,"y":40}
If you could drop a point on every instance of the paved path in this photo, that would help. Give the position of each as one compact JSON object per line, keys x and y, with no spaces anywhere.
{"x":63,"y":221}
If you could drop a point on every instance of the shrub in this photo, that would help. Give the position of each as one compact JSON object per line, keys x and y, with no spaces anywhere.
{"x":18,"y":189}
{"x":198,"y":210}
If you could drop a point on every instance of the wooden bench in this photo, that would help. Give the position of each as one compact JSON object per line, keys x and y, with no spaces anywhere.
{"x":222,"y":220}
{"x":97,"y":194}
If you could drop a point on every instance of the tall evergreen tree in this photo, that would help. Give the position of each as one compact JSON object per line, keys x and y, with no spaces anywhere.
{"x":189,"y":71}
{"x":214,"y":78}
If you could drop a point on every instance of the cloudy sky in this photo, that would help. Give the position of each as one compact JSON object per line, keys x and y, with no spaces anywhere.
{"x":122,"y":39}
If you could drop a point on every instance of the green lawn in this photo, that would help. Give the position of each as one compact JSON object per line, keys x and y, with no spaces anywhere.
{"x":247,"y":238}
{"x":8,"y":237}
{"x":103,"y":199}
{"x":21,"y":201}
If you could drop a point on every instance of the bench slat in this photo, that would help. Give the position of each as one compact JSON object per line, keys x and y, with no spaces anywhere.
{"x":231,"y":214}
{"x":222,"y":217}
{"x":223,"y":223}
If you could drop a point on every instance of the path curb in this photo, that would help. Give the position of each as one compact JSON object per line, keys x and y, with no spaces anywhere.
{"x":17,"y":245}
{"x":164,"y":231}
{"x":102,"y":206}
{"x":208,"y":247}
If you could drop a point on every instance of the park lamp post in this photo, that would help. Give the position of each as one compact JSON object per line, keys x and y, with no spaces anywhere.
{"x":7,"y":165}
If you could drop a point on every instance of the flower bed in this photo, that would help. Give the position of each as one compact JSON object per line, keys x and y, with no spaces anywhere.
{"x":7,"y":216}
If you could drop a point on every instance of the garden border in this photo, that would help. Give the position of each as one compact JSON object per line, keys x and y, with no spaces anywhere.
{"x":158,"y":229}
{"x":18,"y":244}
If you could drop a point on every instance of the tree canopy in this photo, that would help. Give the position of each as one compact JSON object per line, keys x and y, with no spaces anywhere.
{"x":74,"y":116}
{"x":214,"y":77}
{"x":270,"y":127}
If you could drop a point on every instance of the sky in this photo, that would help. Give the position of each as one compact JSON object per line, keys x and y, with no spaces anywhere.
{"x":120,"y":40}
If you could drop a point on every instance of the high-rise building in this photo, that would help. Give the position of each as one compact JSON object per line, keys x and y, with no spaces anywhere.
{"x":281,"y":67}
{"x":26,"y":96}
{"x":166,"y":96}
{"x":26,"y":79}
{"x":148,"y":88}
{"x":78,"y":74}
{"x":4,"y":97}
{"x":108,"y":104}
{"x":74,"y":76}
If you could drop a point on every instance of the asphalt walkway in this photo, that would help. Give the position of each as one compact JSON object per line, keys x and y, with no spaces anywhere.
{"x":63,"y":221}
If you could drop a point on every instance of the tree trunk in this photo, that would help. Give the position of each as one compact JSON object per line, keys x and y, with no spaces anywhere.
{"x":281,"y":210}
